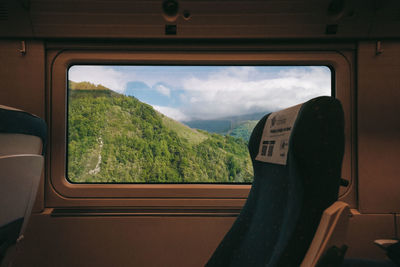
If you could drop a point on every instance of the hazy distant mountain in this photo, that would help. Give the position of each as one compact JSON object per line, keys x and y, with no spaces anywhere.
{"x":238,"y":126}
{"x":212,"y":126}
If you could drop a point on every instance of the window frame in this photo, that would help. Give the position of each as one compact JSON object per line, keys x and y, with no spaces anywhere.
{"x":61,"y":192}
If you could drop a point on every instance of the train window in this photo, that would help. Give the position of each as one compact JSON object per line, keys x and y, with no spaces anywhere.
{"x":170,"y":128}
{"x":175,"y":123}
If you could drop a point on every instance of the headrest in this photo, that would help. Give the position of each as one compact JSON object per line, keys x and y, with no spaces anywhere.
{"x":274,"y":145}
{"x":308,"y":128}
{"x":15,"y":121}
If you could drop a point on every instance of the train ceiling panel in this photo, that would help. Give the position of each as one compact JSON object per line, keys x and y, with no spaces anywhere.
{"x":271,"y":19}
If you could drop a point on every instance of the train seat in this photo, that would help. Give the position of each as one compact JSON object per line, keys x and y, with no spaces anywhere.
{"x":22,"y":141}
{"x":297,"y":157}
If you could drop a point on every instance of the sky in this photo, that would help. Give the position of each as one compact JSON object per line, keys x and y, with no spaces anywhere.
{"x":187,"y":93}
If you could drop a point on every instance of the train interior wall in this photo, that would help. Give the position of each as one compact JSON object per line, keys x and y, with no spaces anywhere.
{"x":188,"y":240}
{"x":370,"y":41}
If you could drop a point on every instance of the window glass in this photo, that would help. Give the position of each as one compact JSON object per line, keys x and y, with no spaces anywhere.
{"x":175,"y":124}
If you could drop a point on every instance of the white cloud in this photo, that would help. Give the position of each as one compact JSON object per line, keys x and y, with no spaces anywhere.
{"x":212,"y":94}
{"x":107,"y":76}
{"x":163,"y":90}
{"x":243,"y":91}
{"x":173,"y":113}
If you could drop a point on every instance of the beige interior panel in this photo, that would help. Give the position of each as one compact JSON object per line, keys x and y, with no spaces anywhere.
{"x":363,"y":229}
{"x":157,"y":241}
{"x":379,"y":127}
{"x":22,"y":76}
{"x":331,"y":231}
{"x":121,"y":241}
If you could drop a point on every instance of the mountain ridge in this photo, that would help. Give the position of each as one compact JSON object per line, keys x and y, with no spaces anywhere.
{"x":239,"y":126}
{"x":118,"y":139}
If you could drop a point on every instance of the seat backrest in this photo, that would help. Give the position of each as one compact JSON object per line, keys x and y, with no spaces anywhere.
{"x":21,"y":132}
{"x":22,"y":141}
{"x":297,"y":156}
{"x":20,"y":175}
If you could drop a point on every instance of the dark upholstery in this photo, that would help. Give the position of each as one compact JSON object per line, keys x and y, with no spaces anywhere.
{"x":285,"y":203}
{"x":21,"y":122}
{"x":8,"y":235}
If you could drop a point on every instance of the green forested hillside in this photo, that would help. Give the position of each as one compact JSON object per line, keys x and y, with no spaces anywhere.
{"x":243,"y":130}
{"x":117,"y":138}
{"x":85,"y":86}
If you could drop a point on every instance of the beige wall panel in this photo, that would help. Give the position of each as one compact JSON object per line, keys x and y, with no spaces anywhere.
{"x":22,"y":76}
{"x":379,"y":127}
{"x":121,"y":241}
{"x":22,"y":80}
{"x":157,"y":241}
{"x":363,"y":230}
